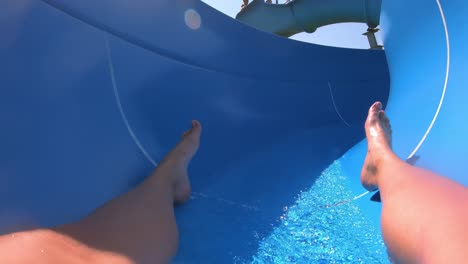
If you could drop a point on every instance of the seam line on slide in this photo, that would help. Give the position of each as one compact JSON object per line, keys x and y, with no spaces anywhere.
{"x":119,"y":104}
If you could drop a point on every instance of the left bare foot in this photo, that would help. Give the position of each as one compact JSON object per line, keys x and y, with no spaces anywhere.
{"x":175,"y":164}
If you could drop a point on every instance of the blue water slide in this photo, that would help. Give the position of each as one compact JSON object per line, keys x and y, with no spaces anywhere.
{"x":428,"y":91}
{"x":93,"y":94}
{"x":424,"y":46}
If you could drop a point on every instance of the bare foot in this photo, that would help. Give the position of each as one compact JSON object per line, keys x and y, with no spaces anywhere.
{"x":175,"y":164}
{"x":379,"y":141}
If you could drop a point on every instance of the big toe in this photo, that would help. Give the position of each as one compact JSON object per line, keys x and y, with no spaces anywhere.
{"x":194,"y":132}
{"x":190,"y":139}
{"x":374,"y":112}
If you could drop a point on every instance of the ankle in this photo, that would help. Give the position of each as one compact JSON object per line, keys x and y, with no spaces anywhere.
{"x":160,"y":180}
{"x":387,"y":177}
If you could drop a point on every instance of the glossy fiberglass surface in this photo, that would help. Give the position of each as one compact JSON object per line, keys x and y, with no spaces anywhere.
{"x":94,"y":94}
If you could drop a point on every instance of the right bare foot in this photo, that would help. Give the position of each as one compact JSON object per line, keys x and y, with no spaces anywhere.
{"x":379,"y":141}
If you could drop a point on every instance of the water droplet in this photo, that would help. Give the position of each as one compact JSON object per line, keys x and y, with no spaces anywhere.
{"x":192,"y":19}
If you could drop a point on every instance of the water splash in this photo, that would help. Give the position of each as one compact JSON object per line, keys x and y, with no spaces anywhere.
{"x":308,"y":232}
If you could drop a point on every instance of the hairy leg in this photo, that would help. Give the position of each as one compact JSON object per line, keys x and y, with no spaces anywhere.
{"x":424,"y":215}
{"x":141,"y":224}
{"x":137,"y":227}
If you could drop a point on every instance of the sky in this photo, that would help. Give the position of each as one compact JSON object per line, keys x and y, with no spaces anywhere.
{"x":348,"y":35}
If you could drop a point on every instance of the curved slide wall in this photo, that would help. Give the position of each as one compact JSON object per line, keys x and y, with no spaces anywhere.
{"x":93,"y":95}
{"x":427,"y":60}
{"x":428,"y":69}
{"x":427,"y":63}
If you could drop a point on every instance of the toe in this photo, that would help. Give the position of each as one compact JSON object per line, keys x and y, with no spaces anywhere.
{"x":385,"y":121}
{"x":374,"y":112}
{"x":383,"y":117}
{"x":375,"y":108}
{"x":194,"y":131}
{"x":196,"y":126}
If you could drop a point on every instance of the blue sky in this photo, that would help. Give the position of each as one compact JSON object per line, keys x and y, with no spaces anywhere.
{"x":347,"y":35}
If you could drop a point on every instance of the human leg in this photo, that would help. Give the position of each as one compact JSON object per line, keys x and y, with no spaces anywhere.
{"x":140,"y":225}
{"x":424,"y":215}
